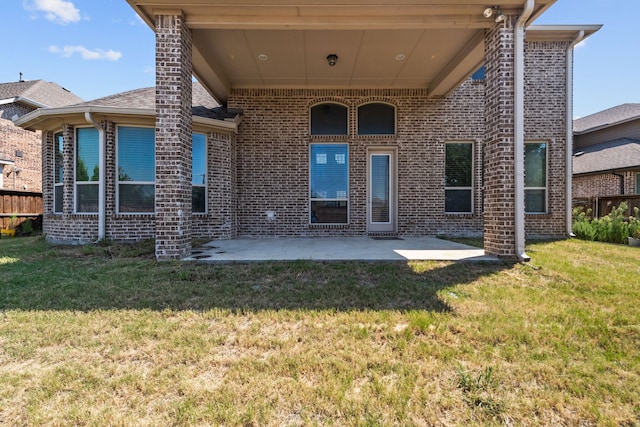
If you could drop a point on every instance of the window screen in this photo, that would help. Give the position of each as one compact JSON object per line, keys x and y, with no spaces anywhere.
{"x":329,"y":183}
{"x":136,"y":170}
{"x":535,"y":177}
{"x":458,"y":177}
{"x":87,"y":170}
{"x":199,"y":173}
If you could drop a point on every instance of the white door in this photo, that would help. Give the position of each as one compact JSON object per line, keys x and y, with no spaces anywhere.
{"x":381,"y":192}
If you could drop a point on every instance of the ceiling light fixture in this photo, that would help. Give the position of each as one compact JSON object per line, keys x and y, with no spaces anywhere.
{"x":263,"y":57}
{"x":400,"y":57}
{"x":332,"y":59}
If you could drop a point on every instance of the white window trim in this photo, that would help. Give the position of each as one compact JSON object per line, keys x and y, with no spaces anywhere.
{"x":546,"y":175}
{"x":118,"y":182}
{"x":473,"y":178}
{"x":206,"y":175}
{"x":311,"y":199}
{"x":76,"y":183}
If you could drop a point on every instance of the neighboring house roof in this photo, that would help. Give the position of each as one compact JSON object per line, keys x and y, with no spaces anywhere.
{"x":203,"y":104}
{"x":619,"y":154}
{"x":38,"y":93}
{"x":612,"y":116}
{"x":138,"y":103}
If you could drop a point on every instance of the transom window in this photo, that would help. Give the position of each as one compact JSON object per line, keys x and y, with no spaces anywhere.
{"x":329,"y":119}
{"x":58,"y":172}
{"x":376,"y":119}
{"x":535,"y":177}
{"x":458,"y":188}
{"x":329,"y":183}
{"x":87,"y":170}
{"x":136,"y":170}
{"x":199,"y":173}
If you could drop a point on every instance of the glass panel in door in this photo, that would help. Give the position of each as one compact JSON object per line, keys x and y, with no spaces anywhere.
{"x":381,"y":209}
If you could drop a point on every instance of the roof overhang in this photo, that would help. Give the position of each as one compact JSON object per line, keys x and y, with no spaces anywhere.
{"x":567,"y":33}
{"x":23,"y":100}
{"x":54,"y":118}
{"x":427,"y":44}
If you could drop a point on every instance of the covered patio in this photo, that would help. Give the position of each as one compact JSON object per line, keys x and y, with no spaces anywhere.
{"x":338,"y":249}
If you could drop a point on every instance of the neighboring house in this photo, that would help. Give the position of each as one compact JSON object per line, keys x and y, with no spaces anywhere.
{"x":20,"y":149}
{"x":358,"y":119}
{"x":606,"y":159}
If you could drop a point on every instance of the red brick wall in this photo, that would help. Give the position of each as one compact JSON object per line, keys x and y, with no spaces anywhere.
{"x":265,"y":167}
{"x":545,"y":121}
{"x":23,"y":147}
{"x":604,"y":184}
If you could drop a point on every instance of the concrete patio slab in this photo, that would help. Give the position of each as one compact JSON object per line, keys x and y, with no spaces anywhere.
{"x":337,"y":249}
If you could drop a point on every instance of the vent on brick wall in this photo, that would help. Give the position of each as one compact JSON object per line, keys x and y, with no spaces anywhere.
{"x":19,"y":153}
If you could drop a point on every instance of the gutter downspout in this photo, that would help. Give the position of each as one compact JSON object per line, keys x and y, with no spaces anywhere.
{"x":101,"y":176}
{"x":518,"y":129}
{"x":569,"y":138}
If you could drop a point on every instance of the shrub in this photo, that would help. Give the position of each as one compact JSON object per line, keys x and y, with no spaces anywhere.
{"x":634,"y":224}
{"x":583,"y":227}
{"x":612,"y":228}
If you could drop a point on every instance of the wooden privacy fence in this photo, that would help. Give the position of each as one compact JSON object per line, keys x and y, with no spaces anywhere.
{"x":601,"y":206}
{"x":18,"y":206}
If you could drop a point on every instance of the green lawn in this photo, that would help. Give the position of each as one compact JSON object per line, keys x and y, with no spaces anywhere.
{"x":105,"y":335}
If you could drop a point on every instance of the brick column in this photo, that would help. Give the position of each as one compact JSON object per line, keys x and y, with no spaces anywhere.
{"x":69,"y":170}
{"x":499,"y":179}
{"x":47,"y":172}
{"x":173,"y":137}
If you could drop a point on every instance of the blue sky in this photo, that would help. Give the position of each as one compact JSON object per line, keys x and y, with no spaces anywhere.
{"x":97,"y":48}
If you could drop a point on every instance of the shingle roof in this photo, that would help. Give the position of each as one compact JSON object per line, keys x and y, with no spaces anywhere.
{"x":45,"y":93}
{"x":203,"y":104}
{"x":621,"y":153}
{"x":611,"y":116}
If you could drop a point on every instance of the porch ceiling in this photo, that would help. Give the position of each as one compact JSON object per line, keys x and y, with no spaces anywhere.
{"x":428,"y":44}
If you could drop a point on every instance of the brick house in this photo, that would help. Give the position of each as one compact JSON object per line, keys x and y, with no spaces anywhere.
{"x":606,"y":158}
{"x":350,"y":120}
{"x":20,"y":149}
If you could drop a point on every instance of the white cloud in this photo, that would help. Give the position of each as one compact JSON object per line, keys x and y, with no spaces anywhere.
{"x":60,"y":11}
{"x":68,"y":51}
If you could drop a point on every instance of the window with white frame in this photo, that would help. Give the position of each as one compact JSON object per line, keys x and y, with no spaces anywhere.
{"x":535,"y":177}
{"x":136,"y":170}
{"x":199,"y":173}
{"x":458,"y":187}
{"x":87,"y":170}
{"x":329,"y":183}
{"x":376,"y":118}
{"x":58,"y":172}
{"x":329,"y":118}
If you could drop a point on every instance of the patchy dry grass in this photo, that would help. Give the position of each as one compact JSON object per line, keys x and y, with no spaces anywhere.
{"x":104,"y":335}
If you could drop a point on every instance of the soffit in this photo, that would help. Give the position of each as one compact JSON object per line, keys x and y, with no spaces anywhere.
{"x":427,"y":44}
